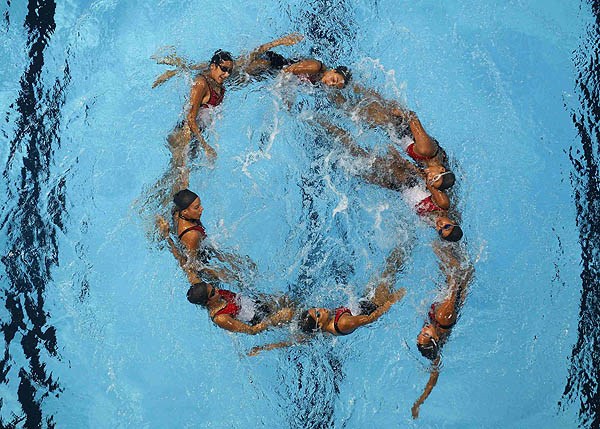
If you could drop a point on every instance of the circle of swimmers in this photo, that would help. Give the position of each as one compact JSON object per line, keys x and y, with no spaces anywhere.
{"x":423,"y":182}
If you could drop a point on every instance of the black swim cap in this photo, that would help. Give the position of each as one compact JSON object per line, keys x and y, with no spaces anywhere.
{"x":448,"y":180}
{"x":184,"y":198}
{"x":198,"y":294}
{"x":219,"y":56}
{"x":345,"y":72}
{"x":455,"y":235}
{"x":307,"y":323}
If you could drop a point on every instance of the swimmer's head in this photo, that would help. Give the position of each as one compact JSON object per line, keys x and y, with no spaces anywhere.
{"x":221,"y":66}
{"x":448,"y":180}
{"x":440,"y":178}
{"x":184,"y":198}
{"x":428,"y":342}
{"x":345,"y":72}
{"x":337,"y":78}
{"x":220,"y":56}
{"x":200,"y":293}
{"x":447,"y":229}
{"x":311,"y":320}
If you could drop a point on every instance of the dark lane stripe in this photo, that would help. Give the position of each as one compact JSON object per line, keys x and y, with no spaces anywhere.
{"x":30,"y":218}
{"x":314,"y":386}
{"x":584,"y":374}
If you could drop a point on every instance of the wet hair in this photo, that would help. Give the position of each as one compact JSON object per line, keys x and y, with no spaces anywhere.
{"x":455,"y":235}
{"x":345,"y":72}
{"x":307,"y":323}
{"x":184,"y":198}
{"x":448,"y":180}
{"x":219,"y":56}
{"x":198,"y":293}
{"x":430,"y":350}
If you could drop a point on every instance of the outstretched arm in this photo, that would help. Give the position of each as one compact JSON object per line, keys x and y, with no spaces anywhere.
{"x":350,"y":323}
{"x":433,"y":378}
{"x":290,"y":39}
{"x":254,"y":351}
{"x":309,"y":67}
{"x":233,"y":325}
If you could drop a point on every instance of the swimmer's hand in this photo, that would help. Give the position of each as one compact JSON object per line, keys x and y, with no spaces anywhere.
{"x":163,"y":226}
{"x":415,"y":410}
{"x":210,"y":152}
{"x":254,"y":351}
{"x":397,"y":295}
{"x":290,"y":39}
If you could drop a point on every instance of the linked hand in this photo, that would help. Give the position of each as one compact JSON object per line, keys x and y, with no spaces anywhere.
{"x":415,"y":411}
{"x":254,"y":351}
{"x":211,"y":154}
{"x":163,"y":226}
{"x":398,"y":295}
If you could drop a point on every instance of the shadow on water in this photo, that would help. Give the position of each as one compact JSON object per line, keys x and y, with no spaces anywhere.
{"x":31,"y":216}
{"x":313,"y":389}
{"x":582,"y":383}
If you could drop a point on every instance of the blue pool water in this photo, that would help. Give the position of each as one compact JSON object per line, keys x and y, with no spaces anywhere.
{"x":97,"y":329}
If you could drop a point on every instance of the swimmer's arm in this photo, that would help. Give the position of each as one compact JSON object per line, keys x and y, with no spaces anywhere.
{"x":290,"y":39}
{"x":198,"y":93}
{"x":163,"y":227}
{"x":233,"y":325}
{"x":344,"y":138}
{"x":304,"y":67}
{"x":439,"y":197}
{"x":433,"y":378}
{"x":191,"y":240}
{"x":349,"y":324}
{"x":254,"y":351}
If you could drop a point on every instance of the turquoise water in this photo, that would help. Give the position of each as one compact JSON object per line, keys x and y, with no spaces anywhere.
{"x":493,"y":83}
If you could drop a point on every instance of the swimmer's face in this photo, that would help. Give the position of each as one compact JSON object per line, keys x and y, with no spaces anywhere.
{"x":433,"y":175}
{"x":333,"y":78}
{"x":320,"y":315}
{"x":444,"y":226}
{"x":428,"y":333}
{"x":194,"y":210}
{"x":222,"y":71}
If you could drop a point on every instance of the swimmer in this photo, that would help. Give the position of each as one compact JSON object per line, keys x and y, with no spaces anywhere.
{"x":393,"y":172}
{"x":316,"y":72}
{"x":442,"y":317}
{"x":191,"y":233}
{"x":236,"y":313}
{"x":341,"y":321}
{"x":256,"y":63}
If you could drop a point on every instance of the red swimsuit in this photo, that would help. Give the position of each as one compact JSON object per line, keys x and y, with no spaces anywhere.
{"x":339,"y":312}
{"x":410,"y":150}
{"x":215,"y":98}
{"x":199,"y":227}
{"x":426,"y":205}
{"x":232,"y":308}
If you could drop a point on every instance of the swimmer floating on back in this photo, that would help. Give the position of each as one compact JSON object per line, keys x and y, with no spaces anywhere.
{"x":341,"y":321}
{"x":190,"y":231}
{"x":442,"y":317}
